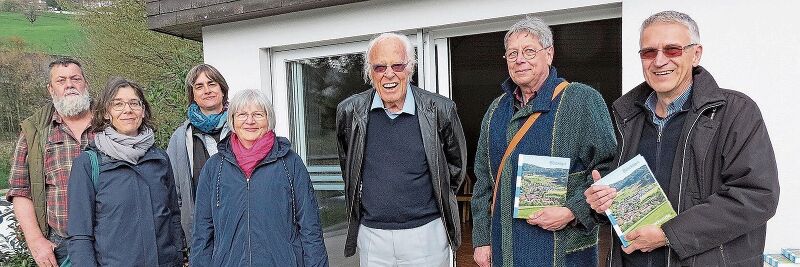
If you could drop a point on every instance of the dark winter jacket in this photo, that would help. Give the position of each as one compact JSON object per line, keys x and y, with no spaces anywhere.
{"x":272,"y":219}
{"x":724,"y":182}
{"x":445,"y":151}
{"x":131,"y":218}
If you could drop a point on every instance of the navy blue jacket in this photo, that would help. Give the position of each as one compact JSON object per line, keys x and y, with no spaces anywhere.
{"x":264,"y":221}
{"x":130,"y":219}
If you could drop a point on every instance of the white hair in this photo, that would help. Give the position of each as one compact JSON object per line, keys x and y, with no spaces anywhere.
{"x":249,"y":97}
{"x":69,"y":106}
{"x":534,"y":26}
{"x":410,"y":55}
{"x":673,"y":17}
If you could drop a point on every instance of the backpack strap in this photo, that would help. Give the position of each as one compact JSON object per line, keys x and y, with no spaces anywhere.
{"x":291,"y":192}
{"x":95,"y":166}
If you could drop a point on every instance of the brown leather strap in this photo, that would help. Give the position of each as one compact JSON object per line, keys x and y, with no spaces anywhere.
{"x":515,"y":141}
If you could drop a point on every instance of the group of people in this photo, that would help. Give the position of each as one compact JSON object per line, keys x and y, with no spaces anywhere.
{"x":232,"y":193}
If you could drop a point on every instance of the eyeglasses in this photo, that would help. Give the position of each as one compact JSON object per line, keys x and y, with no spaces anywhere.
{"x":670,"y":51}
{"x":257,"y":116}
{"x":119,"y":105}
{"x":378,"y":68}
{"x":527,"y":53}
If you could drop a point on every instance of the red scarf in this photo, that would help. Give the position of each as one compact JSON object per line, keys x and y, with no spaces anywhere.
{"x":249,"y":158}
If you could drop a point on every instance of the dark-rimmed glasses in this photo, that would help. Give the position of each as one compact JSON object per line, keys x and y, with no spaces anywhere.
{"x":119,"y":105}
{"x":379,"y":68}
{"x":527,"y":53}
{"x":669,"y":51}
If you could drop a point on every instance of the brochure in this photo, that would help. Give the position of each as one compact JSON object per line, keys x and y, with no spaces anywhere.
{"x":640,"y":200}
{"x":541,"y":182}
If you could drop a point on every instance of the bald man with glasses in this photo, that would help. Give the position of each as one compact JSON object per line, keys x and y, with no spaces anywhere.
{"x":708,"y":148}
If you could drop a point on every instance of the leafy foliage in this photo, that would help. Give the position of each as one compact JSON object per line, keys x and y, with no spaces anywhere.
{"x":118,"y":43}
{"x":23,"y":77}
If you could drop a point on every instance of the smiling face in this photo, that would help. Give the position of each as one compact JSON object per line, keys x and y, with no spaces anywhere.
{"x":250,"y":123}
{"x":669,"y":77}
{"x":127,"y":120}
{"x":528,"y":74}
{"x":207,"y":94}
{"x":391,"y":85}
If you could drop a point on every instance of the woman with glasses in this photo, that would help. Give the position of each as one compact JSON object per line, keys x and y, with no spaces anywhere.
{"x":255,"y":205}
{"x":123,"y":207}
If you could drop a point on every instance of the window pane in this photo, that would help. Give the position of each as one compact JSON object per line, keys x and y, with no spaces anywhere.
{"x":322,"y":83}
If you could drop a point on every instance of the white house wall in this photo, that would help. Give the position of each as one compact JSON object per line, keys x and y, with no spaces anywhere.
{"x":752,"y":47}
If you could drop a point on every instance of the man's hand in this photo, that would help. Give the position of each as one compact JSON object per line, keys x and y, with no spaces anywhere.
{"x":551,"y":218}
{"x":645,"y":239}
{"x":599,"y":197}
{"x":483,"y":256}
{"x":42,"y":252}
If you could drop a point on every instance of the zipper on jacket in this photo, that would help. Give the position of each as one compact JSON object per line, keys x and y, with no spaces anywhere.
{"x":249,"y":238}
{"x":722,"y":255}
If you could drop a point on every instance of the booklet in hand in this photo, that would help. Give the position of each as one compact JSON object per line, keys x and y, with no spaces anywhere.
{"x":541,"y":182}
{"x":640,"y":200}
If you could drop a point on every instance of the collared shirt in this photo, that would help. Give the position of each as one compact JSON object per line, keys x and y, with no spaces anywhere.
{"x":60,"y":150}
{"x":409,"y":106}
{"x":520,"y":98}
{"x":672,"y":109}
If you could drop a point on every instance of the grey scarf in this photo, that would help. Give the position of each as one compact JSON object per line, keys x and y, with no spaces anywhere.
{"x":123,"y":147}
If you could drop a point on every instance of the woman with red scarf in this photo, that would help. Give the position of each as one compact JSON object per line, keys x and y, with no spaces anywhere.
{"x":255,"y":205}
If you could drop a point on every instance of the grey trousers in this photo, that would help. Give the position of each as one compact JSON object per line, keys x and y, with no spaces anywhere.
{"x":422,"y":246}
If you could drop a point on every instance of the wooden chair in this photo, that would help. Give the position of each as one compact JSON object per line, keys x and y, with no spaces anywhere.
{"x":464,"y":197}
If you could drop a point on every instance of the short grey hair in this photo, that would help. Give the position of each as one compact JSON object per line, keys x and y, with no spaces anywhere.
{"x":673,"y":17}
{"x":248,"y":97}
{"x":534,"y":26}
{"x":410,"y":55}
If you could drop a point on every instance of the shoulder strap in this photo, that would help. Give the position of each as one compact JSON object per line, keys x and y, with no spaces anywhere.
{"x":291,"y":191}
{"x":518,"y":137}
{"x":95,"y":166}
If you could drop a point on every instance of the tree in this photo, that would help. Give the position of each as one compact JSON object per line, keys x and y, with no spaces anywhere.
{"x":22,"y":81}
{"x":32,"y":11}
{"x":118,"y":43}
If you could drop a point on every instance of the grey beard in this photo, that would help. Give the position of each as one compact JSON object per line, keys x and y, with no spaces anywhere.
{"x":73,"y":106}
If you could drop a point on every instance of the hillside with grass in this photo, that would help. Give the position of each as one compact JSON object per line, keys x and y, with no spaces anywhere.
{"x":51,"y":33}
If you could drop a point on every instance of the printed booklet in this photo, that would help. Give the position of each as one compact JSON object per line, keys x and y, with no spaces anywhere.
{"x":640,"y":200}
{"x":541,"y":182}
{"x":792,"y":254}
{"x":778,"y":260}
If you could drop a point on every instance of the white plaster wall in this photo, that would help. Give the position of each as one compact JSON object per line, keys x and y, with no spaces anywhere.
{"x":752,"y":47}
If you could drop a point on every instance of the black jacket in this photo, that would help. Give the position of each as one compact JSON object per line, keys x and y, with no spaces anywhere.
{"x":724,"y":182}
{"x":445,"y":151}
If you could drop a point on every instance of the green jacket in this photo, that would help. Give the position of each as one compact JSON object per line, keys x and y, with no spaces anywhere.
{"x":582,"y":131}
{"x":36,"y":128}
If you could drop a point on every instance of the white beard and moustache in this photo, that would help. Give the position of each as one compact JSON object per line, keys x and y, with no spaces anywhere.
{"x":73,"y":105}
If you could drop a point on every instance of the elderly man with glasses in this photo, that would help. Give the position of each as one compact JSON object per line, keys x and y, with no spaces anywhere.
{"x":708,"y":148}
{"x":538,"y":113}
{"x":403,"y":155}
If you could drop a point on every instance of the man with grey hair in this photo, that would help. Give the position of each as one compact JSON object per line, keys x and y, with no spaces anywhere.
{"x":708,"y":148}
{"x":403,"y":155}
{"x":50,"y":139}
{"x":538,"y":113}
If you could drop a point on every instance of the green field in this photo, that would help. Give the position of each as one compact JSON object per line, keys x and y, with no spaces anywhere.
{"x":51,"y":33}
{"x":658,"y":216}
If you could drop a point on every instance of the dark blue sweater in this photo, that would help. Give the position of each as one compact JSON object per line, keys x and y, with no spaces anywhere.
{"x":397,"y":189}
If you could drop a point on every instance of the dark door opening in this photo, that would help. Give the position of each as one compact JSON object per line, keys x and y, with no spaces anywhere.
{"x":586,"y":52}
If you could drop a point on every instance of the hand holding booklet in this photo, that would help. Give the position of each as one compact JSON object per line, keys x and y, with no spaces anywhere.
{"x":541,"y":183}
{"x":640,"y":200}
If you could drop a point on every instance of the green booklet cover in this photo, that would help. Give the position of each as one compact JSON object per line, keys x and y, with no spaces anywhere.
{"x":541,"y":182}
{"x":640,"y":200}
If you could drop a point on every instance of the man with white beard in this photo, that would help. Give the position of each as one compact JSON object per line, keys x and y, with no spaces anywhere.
{"x":50,"y":139}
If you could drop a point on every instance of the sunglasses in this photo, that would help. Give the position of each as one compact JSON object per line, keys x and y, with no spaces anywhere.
{"x":670,"y":51}
{"x":395,"y":67}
